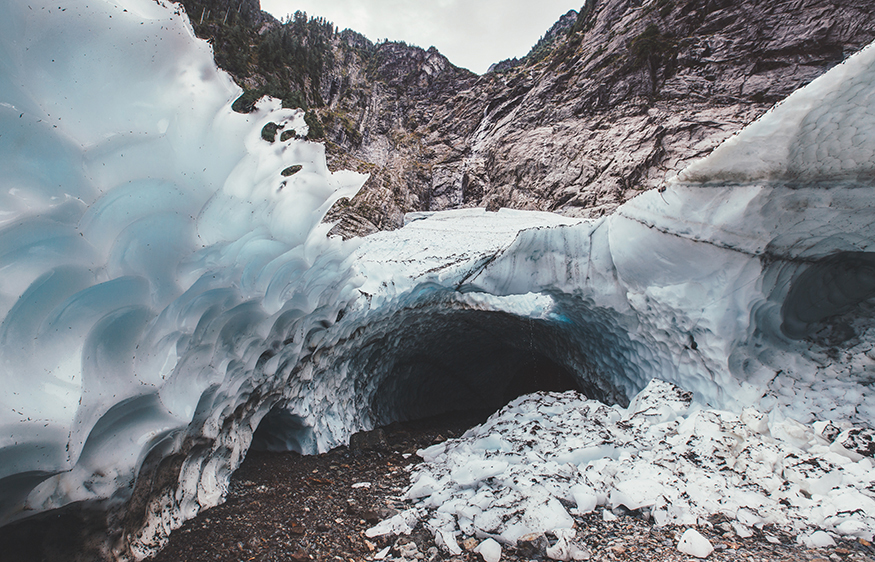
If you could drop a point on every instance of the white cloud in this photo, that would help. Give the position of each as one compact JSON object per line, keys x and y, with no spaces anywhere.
{"x":472,"y":34}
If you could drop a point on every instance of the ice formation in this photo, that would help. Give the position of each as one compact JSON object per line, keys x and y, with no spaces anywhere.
{"x":154,"y":258}
{"x":166,"y":290}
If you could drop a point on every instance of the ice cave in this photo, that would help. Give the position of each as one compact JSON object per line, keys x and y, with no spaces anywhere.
{"x":165,"y":290}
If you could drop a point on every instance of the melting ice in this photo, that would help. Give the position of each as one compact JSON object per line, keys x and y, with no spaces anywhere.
{"x":165,"y":291}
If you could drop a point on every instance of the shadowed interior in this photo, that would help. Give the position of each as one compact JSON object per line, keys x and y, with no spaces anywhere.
{"x":827,"y":296}
{"x":440,"y":355}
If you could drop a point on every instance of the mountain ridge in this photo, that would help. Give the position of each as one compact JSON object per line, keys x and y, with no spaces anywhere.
{"x":627,"y":96}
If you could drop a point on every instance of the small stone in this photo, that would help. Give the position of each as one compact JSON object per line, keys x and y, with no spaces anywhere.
{"x":469,"y":544}
{"x":368,"y":441}
{"x":409,"y":551}
{"x":532,"y":545}
{"x":299,"y":556}
{"x":694,"y":544}
{"x":374,"y":516}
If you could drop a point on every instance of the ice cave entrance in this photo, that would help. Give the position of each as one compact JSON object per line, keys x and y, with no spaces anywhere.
{"x":437,"y":360}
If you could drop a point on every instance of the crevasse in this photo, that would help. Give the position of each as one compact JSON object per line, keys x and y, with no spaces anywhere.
{"x":165,"y":288}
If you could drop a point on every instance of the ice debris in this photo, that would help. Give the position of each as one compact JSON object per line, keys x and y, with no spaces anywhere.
{"x":489,"y":550}
{"x":548,"y":456}
{"x":693,"y":543}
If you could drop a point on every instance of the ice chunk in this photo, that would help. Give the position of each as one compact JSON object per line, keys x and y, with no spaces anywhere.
{"x":566,"y":548}
{"x":694,"y":544}
{"x":817,"y":539}
{"x":636,"y":493}
{"x":490,"y":550}
{"x":473,"y":472}
{"x":399,"y":524}
{"x":423,"y":486}
{"x":585,"y":497}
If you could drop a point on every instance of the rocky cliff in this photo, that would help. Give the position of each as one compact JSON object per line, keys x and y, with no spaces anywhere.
{"x":612,"y":101}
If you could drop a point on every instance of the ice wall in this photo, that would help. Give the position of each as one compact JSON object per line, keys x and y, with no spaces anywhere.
{"x":750,"y":279}
{"x":165,"y":289}
{"x":153,"y":255}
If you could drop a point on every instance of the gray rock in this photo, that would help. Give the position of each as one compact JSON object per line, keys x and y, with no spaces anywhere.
{"x":368,"y":440}
{"x":533,"y":545}
{"x":606,"y":106}
{"x":859,"y":440}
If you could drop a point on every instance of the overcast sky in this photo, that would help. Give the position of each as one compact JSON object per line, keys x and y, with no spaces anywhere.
{"x":471,"y":33}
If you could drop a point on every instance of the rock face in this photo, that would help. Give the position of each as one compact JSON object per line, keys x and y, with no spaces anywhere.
{"x":612,"y":101}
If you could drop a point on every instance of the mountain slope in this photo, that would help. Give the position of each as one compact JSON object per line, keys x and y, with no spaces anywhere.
{"x":607,"y":108}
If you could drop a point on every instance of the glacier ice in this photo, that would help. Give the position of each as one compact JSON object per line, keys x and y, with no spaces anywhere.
{"x":166,"y":291}
{"x":151,"y":249}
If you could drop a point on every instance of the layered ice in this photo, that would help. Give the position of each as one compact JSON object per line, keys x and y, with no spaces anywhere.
{"x":166,"y":291}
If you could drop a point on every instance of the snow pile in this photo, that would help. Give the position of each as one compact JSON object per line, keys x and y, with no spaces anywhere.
{"x":548,"y":456}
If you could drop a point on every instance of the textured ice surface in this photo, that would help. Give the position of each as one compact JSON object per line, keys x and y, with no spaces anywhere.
{"x":164,"y":290}
{"x":153,"y":256}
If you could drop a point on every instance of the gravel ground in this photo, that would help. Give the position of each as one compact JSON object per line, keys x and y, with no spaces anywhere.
{"x":283,"y":507}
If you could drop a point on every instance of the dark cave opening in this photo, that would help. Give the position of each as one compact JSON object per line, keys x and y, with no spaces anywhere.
{"x":446,"y":359}
{"x":442,"y":357}
{"x":280,"y":430}
{"x":828,"y":297}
